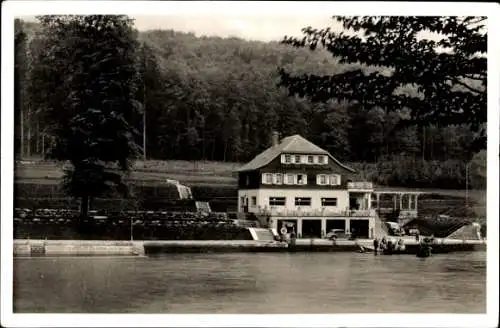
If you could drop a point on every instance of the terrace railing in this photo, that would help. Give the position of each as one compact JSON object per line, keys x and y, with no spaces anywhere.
{"x":362,"y":185}
{"x":315,"y":212}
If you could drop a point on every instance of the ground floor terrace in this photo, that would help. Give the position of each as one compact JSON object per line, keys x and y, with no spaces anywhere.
{"x":318,"y":227}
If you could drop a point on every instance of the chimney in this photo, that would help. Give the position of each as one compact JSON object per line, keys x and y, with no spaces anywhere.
{"x":275,"y":138}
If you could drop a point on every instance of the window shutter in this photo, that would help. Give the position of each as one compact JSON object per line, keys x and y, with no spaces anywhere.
{"x":263,"y":178}
{"x":304,"y":177}
{"x":335,"y":180}
{"x":318,"y":182}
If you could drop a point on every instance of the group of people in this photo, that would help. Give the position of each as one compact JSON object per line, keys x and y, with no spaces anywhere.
{"x":385,"y":245}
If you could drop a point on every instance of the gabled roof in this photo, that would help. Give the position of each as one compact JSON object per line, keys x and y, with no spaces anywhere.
{"x":295,"y":144}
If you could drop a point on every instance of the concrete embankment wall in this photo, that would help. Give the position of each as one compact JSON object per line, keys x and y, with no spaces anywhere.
{"x":302,"y":245}
{"x":77,"y":248}
{"x":134,"y":248}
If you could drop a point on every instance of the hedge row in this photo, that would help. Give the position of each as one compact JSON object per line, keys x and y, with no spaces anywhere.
{"x":166,"y":230}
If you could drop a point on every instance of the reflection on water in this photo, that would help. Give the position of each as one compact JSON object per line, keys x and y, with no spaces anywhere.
{"x":253,"y":283}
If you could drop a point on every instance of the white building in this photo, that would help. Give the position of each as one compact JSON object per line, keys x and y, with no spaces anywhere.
{"x":297,"y":185}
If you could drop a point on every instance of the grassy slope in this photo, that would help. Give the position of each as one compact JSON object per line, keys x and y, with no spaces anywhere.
{"x":193,"y":174}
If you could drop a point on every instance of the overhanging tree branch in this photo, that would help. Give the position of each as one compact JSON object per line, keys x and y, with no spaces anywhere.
{"x":388,"y":47}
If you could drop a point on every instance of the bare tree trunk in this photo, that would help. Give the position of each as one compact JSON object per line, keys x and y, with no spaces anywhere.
{"x":28,"y":151}
{"x":37,"y":137}
{"x":423,"y":143}
{"x":43,"y":144}
{"x":144,"y":133}
{"x":84,"y":206}
{"x":213,"y":150}
{"x":225,"y":150}
{"x":22,"y":131}
{"x":203,"y":144}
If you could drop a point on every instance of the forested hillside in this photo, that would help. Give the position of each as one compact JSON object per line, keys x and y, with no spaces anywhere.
{"x":209,"y":98}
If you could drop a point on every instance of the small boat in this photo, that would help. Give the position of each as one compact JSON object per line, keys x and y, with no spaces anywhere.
{"x":392,"y":248}
{"x":424,"y":251}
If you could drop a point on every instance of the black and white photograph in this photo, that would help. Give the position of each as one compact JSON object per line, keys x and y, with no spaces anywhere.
{"x":323,"y":164}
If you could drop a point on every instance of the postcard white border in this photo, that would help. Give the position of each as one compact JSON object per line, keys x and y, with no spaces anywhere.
{"x":11,"y":9}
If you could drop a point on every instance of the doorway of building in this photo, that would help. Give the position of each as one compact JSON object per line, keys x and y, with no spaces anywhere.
{"x":354,"y":203}
{"x":311,"y":228}
{"x":360,"y":228}
{"x":335,"y":224}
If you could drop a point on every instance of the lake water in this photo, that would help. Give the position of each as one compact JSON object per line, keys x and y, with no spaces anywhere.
{"x":253,"y":283}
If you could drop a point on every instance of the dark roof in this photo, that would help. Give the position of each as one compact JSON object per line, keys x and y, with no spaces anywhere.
{"x":295,"y":144}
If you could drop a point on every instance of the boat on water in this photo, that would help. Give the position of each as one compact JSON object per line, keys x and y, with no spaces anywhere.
{"x":389,"y":247}
{"x":424,"y":251}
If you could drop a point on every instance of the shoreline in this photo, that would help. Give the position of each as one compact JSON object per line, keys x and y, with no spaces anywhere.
{"x":98,"y":248}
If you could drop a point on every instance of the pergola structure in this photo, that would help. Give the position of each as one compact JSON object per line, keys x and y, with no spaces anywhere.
{"x":404,"y":201}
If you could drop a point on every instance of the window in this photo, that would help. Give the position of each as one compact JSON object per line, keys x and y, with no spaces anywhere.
{"x":302,"y":201}
{"x":254,"y":201}
{"x":288,"y":158}
{"x":297,"y":159}
{"x":290,"y":179}
{"x":278,"y":178}
{"x":301,"y":179}
{"x":335,"y":180}
{"x":310,"y":159}
{"x":268,"y":178}
{"x":328,"y":201}
{"x":321,"y":159}
{"x":322,"y":179}
{"x":277,"y":201}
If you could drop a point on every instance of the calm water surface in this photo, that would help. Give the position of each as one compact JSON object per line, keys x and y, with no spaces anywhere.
{"x":252,"y":283}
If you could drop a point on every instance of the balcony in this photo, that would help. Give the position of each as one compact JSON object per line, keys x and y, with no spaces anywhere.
{"x":277,"y":211}
{"x":362,"y":185}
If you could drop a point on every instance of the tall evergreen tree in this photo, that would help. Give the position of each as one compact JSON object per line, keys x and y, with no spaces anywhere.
{"x":20,"y":41}
{"x":92,"y":85}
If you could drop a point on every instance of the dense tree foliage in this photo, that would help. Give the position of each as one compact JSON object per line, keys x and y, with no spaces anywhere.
{"x":448,"y":75}
{"x":19,"y":77}
{"x":210,"y":98}
{"x":83,"y":82}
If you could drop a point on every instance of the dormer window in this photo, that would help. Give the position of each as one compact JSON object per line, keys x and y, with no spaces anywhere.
{"x":301,"y":179}
{"x":323,"y":179}
{"x":288,"y":159}
{"x":278,"y":178}
{"x":297,"y":159}
{"x":321,"y":159}
{"x":335,"y":180}
{"x":268,"y":178}
{"x":310,"y":159}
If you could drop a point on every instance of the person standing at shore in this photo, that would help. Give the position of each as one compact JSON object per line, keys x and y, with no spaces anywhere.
{"x":293,"y":238}
{"x":376,"y":245}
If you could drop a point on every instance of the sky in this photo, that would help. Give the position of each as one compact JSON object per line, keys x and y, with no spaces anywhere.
{"x":249,"y":27}
{"x":251,"y":20}
{"x":263,"y":28}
